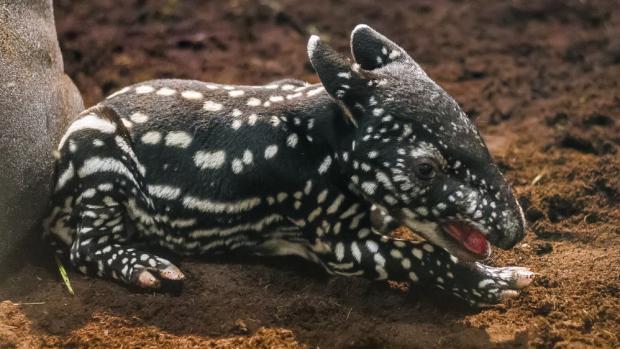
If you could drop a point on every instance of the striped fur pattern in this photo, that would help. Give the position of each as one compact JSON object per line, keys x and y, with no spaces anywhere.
{"x":321,"y":171}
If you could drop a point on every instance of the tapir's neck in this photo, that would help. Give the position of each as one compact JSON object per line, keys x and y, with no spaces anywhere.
{"x":323,"y":132}
{"x":317,"y":118}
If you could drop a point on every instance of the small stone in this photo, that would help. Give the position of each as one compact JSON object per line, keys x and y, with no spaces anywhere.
{"x":533,"y":214}
{"x":543,"y":248}
{"x":591,"y":218}
{"x":544,"y":308}
{"x":241,"y":327}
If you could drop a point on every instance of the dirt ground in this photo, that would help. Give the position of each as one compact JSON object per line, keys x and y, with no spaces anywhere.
{"x":542,"y":79}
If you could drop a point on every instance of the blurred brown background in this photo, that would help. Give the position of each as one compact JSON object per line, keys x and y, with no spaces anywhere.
{"x":541,"y":78}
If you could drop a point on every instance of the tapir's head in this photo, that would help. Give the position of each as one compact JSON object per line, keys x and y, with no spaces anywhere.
{"x":412,"y":151}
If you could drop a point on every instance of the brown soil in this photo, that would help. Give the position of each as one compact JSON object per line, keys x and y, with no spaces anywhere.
{"x":541,"y":77}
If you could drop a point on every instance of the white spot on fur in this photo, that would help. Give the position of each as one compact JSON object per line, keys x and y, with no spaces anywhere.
{"x":274,"y":120}
{"x":308,"y":187}
{"x":428,"y":247}
{"x":191,"y":94}
{"x":315,"y":91}
{"x":276,"y":99}
{"x":178,"y":139}
{"x":369,"y":187}
{"x":281,"y":196}
{"x":417,"y":253}
{"x":423,"y":211}
{"x":237,"y":166}
{"x":254,"y":102}
{"x":212,"y":106}
{"x":325,"y":165}
{"x":105,"y":187}
{"x":314,"y":214}
{"x":344,"y":75}
{"x":482,"y":284}
{"x":321,"y":197}
{"x":339,"y":251}
{"x":209,"y":160}
{"x":379,"y":260}
{"x":144,"y":89}
{"x":151,"y":137}
{"x":236,"y":93}
{"x":89,"y":193}
{"x":356,"y":252}
{"x":294,"y":95}
{"x":372,"y":246}
{"x":291,"y":140}
{"x":394,"y":54}
{"x":271,"y":151}
{"x":165,"y":91}
{"x":335,"y":204}
{"x":128,"y":124}
{"x":247,"y":157}
{"x":139,"y":117}
{"x":406,"y":263}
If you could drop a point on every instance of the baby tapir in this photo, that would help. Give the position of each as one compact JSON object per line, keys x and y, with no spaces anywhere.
{"x":290,"y":168}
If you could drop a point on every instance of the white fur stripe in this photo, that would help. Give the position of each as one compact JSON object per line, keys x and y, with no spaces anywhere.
{"x":255,"y":226}
{"x":88,"y":122}
{"x":65,"y":177}
{"x":209,"y":206}
{"x":97,"y":165}
{"x":164,"y":191}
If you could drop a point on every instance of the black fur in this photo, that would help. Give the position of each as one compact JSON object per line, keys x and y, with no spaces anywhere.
{"x":289,"y":169}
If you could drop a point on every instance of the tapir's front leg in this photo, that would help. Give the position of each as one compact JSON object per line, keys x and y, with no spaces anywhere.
{"x":350,"y":247}
{"x":379,"y":257}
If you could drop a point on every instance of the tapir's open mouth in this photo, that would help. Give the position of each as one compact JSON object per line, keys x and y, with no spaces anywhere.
{"x":468,"y":237}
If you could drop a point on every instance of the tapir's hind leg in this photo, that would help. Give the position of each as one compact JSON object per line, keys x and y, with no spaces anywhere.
{"x":104,"y":175}
{"x":102,"y":247}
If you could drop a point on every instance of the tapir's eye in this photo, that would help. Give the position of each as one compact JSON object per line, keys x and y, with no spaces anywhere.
{"x":425,"y":168}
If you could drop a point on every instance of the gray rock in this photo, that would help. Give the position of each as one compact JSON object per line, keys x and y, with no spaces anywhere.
{"x":37,"y":100}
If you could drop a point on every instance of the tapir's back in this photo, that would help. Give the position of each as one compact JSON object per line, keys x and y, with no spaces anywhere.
{"x":195,"y":135}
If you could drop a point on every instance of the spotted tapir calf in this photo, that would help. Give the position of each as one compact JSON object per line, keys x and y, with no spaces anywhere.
{"x":290,"y":168}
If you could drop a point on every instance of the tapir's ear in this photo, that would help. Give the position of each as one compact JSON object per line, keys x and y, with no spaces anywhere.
{"x":372,"y":50}
{"x":345,"y":82}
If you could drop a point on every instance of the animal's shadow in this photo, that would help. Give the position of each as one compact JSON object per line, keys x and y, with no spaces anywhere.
{"x":222,"y":292}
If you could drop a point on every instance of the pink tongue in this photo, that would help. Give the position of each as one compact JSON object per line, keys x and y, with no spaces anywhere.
{"x":476,"y":242}
{"x":470,"y":237}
